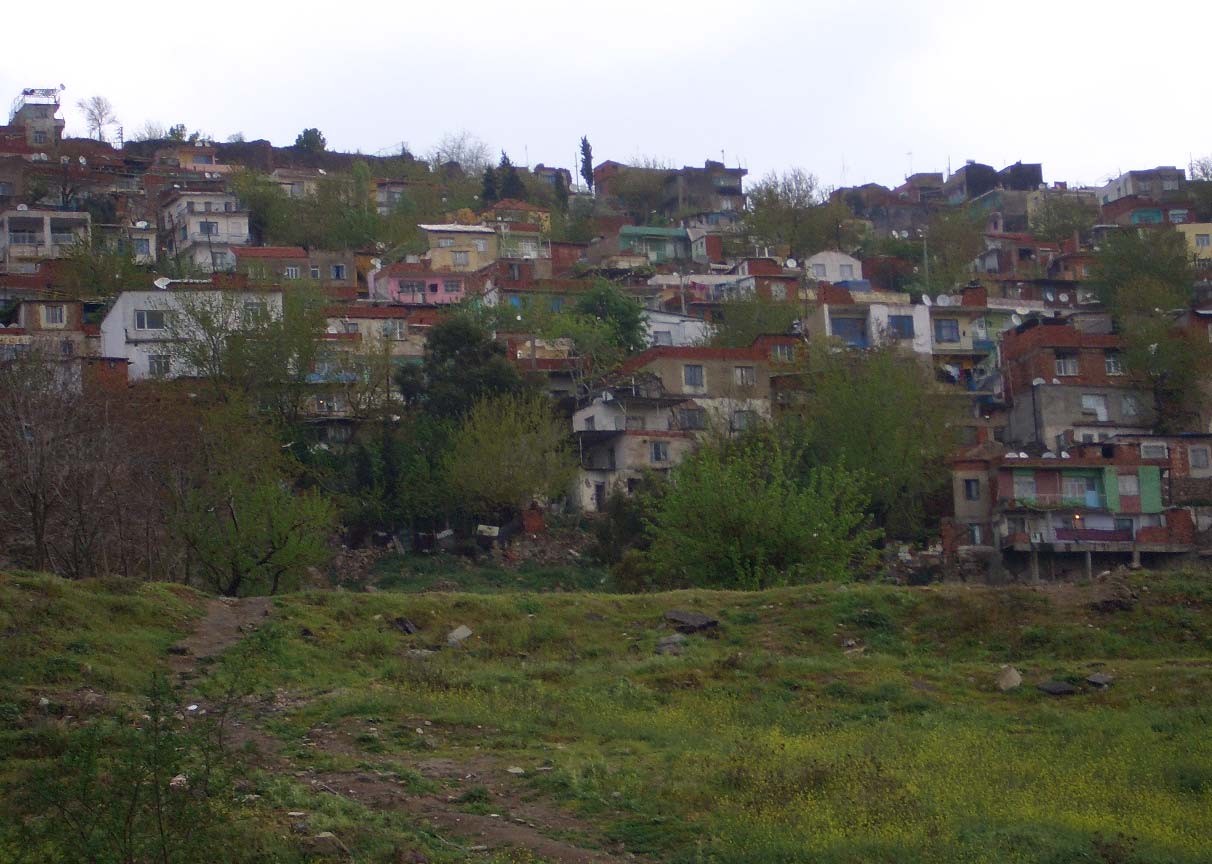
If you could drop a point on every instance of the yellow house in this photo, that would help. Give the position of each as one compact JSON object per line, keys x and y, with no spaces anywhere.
{"x":1199,"y":242}
{"x":460,"y":248}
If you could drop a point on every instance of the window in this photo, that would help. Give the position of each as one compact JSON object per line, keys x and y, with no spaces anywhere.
{"x":692,"y":375}
{"x":1113,"y":363}
{"x":445,"y":242}
{"x":744,"y":376}
{"x":556,"y":304}
{"x":1066,"y":364}
{"x":852,"y":331}
{"x":142,"y":245}
{"x":67,"y":348}
{"x":209,"y":228}
{"x":975,"y":535}
{"x":206,"y":207}
{"x":254,"y":312}
{"x":742,"y":420}
{"x":451,"y":286}
{"x":1131,"y":405}
{"x":591,"y":423}
{"x":228,"y":207}
{"x":411,"y":286}
{"x":1203,"y":241}
{"x":395,"y":329}
{"x":1129,"y":484}
{"x":847,"y":271}
{"x":692,"y":418}
{"x":39,"y":137}
{"x":778,"y":292}
{"x":1199,"y":457}
{"x":149,"y":319}
{"x":189,"y":206}
{"x":901,"y":326}
{"x":1076,"y":489}
{"x":818,"y":271}
{"x":315,"y":271}
{"x":972,"y":490}
{"x":1024,"y":487}
{"x":158,"y":365}
{"x":1153,"y":451}
{"x":662,"y":337}
{"x":338,"y":271}
{"x":660,"y":451}
{"x":53,"y":315}
{"x":460,"y":259}
{"x":782,"y":353}
{"x":946,"y":330}
{"x":292,"y":272}
{"x":481,"y":245}
{"x":1093,"y":403}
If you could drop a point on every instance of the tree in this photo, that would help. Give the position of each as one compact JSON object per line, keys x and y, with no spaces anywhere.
{"x":623,"y":314}
{"x":791,"y":209}
{"x":177,"y":132}
{"x":587,"y":162}
{"x":740,"y":515}
{"x":94,"y":269}
{"x":511,"y":185}
{"x":247,"y":530}
{"x":879,"y":413}
{"x":462,"y":147}
{"x":311,"y":140}
{"x":488,"y":192}
{"x":98,"y":114}
{"x":640,"y":189}
{"x":509,"y":451}
{"x":953,"y":239}
{"x":151,"y":131}
{"x":740,"y":320}
{"x":1059,"y":216}
{"x":1145,"y":277}
{"x":463,"y":364}
{"x":560,"y":193}
{"x":1201,"y":188}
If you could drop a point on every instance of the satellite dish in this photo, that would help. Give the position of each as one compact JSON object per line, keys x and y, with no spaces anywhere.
{"x":1049,"y":296}
{"x":1011,"y":455}
{"x":321,"y":170}
{"x":141,"y":224}
{"x":926,"y":300}
{"x":1022,"y":455}
{"x":1065,"y":454}
{"x":1055,"y":380}
{"x":943,"y":300}
{"x":83,"y":161}
{"x":1022,"y":311}
{"x":22,"y":207}
{"x":791,"y":264}
{"x":1064,"y":298}
{"x":162,"y":283}
{"x":1038,"y":381}
{"x":1048,"y":454}
{"x":1016,"y":320}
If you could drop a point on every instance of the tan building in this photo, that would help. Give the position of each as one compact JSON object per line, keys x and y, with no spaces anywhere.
{"x":1199,"y":242}
{"x":460,"y":248}
{"x":35,"y":234}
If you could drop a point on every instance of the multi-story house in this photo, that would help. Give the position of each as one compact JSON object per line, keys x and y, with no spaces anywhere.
{"x":421,"y":285}
{"x":53,"y":327}
{"x":28,"y":235}
{"x":34,"y":111}
{"x":831,"y":266}
{"x":1064,"y":384}
{"x":204,"y":228}
{"x":1161,"y":183}
{"x":460,"y":248}
{"x":146,"y":328}
{"x":866,"y":319}
{"x":1199,"y":244}
{"x":335,"y":272}
{"x":137,"y":239}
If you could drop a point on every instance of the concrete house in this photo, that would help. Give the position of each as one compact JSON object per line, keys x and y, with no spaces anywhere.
{"x":460,"y":248}
{"x":144,"y":327}
{"x":204,"y":228}
{"x":831,"y":266}
{"x":33,"y":234}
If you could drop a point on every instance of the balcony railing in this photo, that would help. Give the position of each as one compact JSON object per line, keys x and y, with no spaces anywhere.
{"x":1093,"y":535}
{"x":199,"y":237}
{"x":1051,"y":500}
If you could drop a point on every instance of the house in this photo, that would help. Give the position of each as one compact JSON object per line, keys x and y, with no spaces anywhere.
{"x":512,"y":210}
{"x":336,"y":272}
{"x":1064,"y":384}
{"x":552,"y":176}
{"x":34,"y":112}
{"x":145,"y":327}
{"x":710,"y":196}
{"x":397,"y":329}
{"x":32,"y":234}
{"x":138,"y":240}
{"x":1162,"y":182}
{"x":658,"y":245}
{"x":831,"y":266}
{"x":672,"y":328}
{"x":523,"y":240}
{"x":53,"y":327}
{"x":204,"y":228}
{"x":296,"y":182}
{"x":421,"y":285}
{"x":969,"y":181}
{"x":1055,"y":514}
{"x":460,"y":248}
{"x":1136,"y":210}
{"x":865,"y":319}
{"x":1199,"y":243}
{"x":199,"y":156}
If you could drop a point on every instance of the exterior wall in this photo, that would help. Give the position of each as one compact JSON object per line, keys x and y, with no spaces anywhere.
{"x":479,"y":246}
{"x":121,"y":338}
{"x":682,"y":330}
{"x":181,"y":219}
{"x":1047,"y":412}
{"x":632,"y":457}
{"x":1199,"y":242}
{"x":658,"y":244}
{"x":26,"y":234}
{"x":827,"y":266}
{"x":430,"y":289}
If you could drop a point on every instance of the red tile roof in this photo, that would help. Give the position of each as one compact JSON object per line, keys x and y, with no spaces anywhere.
{"x":270,"y":252}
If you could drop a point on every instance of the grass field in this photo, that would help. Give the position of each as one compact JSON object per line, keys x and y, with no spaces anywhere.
{"x":829,"y":723}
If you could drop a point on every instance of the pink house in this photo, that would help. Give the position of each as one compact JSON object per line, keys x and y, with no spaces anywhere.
{"x":412,"y":283}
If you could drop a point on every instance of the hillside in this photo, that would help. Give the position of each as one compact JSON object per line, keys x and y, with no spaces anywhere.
{"x":829,"y":723}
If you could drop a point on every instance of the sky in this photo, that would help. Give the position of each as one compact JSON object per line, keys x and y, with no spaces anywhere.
{"x":853,"y":92}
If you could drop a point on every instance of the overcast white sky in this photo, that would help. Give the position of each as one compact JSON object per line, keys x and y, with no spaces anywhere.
{"x":846,"y":90}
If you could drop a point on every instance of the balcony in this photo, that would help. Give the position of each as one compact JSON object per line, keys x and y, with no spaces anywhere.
{"x":236,"y":238}
{"x":1093,"y":535}
{"x":1058,"y":501}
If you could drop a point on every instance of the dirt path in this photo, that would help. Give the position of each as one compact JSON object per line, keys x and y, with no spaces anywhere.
{"x":522,"y":822}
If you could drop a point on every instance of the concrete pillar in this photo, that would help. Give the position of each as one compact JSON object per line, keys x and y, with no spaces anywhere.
{"x":1089,"y":564}
{"x":1034,"y":565}
{"x":1135,"y":565}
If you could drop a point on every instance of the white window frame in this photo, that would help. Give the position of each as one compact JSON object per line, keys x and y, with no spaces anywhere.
{"x":291,"y":272}
{"x":1067,"y":365}
{"x":1204,"y":452}
{"x":54,"y":315}
{"x":702,"y":376}
{"x":163,"y":361}
{"x":1113,"y":363}
{"x":141,"y":319}
{"x":1159,"y":451}
{"x":744,"y":376}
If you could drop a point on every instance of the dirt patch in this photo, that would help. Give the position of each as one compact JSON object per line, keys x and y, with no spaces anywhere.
{"x":225,"y":623}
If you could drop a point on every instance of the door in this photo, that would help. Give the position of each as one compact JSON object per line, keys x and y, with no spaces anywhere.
{"x":599,"y":497}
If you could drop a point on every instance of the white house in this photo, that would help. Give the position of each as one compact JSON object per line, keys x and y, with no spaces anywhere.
{"x":672,"y":328}
{"x":834,"y":267}
{"x":202,"y":227}
{"x":146,"y":327}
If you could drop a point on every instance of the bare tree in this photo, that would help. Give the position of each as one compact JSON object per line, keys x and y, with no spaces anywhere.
{"x":151,"y":131}
{"x":98,"y":113}
{"x":470,"y":151}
